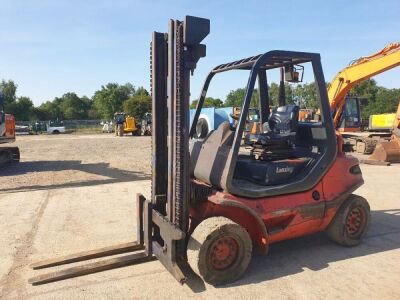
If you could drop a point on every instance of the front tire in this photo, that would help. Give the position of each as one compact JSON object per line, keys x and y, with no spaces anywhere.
{"x":219,"y":250}
{"x":351,"y":222}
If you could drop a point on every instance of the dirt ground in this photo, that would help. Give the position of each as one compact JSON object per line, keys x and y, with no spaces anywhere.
{"x":73,"y":193}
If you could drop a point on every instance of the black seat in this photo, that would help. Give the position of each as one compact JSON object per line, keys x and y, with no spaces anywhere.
{"x":270,"y":173}
{"x":282,"y":124}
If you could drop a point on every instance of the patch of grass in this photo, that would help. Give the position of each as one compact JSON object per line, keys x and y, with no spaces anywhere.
{"x":86,"y":130}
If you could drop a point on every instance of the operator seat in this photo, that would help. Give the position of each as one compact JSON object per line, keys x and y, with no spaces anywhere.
{"x":209,"y":156}
{"x":278,"y":141}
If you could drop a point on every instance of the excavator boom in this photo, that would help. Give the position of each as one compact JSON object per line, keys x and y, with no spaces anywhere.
{"x":358,"y":71}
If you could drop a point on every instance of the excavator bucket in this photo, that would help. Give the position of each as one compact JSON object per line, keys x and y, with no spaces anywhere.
{"x":387,"y":151}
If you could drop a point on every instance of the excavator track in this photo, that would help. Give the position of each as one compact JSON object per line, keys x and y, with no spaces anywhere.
{"x":9,"y":155}
{"x":366,"y":145}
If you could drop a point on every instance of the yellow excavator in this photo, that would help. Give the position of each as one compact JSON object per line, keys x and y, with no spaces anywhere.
{"x":389,"y":151}
{"x":125,"y":124}
{"x":346,"y":110}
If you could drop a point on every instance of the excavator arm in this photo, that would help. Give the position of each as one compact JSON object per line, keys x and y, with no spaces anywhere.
{"x":358,"y":71}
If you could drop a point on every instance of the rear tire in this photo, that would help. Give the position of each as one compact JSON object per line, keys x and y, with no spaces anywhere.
{"x":351,"y":222}
{"x":219,"y":250}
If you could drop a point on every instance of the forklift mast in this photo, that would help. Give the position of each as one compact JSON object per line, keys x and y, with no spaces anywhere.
{"x":163,"y":221}
{"x":173,"y":59}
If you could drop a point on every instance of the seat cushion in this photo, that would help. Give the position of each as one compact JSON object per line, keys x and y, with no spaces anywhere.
{"x":269,"y":173}
{"x":269,"y":139}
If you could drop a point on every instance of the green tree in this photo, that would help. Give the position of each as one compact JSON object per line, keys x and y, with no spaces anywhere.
{"x":208,"y":102}
{"x":22,"y":109}
{"x":387,"y":100}
{"x":9,"y":90}
{"x":366,"y":89}
{"x":93,"y":113}
{"x":110,"y":98}
{"x":73,"y":107}
{"x":50,"y":110}
{"x":236,"y":98}
{"x":137,"y":105}
{"x":305,"y":95}
{"x":292,"y":93}
{"x":141,"y":91}
{"x":273,"y":91}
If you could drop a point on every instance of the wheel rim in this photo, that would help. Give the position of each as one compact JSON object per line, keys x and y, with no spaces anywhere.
{"x":223,"y":253}
{"x":355,"y":221}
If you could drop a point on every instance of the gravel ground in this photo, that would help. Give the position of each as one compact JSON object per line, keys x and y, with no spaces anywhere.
{"x":76,"y":192}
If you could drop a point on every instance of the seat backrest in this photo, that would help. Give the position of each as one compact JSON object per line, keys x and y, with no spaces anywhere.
{"x":284,"y":119}
{"x":209,"y":156}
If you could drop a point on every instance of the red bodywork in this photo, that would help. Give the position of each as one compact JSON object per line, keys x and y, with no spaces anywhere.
{"x":10,"y":126}
{"x":7,"y":132}
{"x":277,"y":218}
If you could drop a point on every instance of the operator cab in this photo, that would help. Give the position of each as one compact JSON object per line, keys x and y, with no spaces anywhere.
{"x":285,"y":155}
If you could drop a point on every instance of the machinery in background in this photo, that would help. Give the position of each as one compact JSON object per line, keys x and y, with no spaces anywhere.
{"x":146,"y":124}
{"x":388,"y":151}
{"x":7,"y":135}
{"x":346,"y":109}
{"x":211,"y":205}
{"x":22,"y":130}
{"x":55,"y":127}
{"x":107,"y":127}
{"x":210,"y":118}
{"x":125,"y":124}
{"x":384,"y":122}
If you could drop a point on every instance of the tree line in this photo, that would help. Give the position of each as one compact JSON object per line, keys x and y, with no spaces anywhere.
{"x":114,"y":97}
{"x":109,"y":99}
{"x":379,"y":99}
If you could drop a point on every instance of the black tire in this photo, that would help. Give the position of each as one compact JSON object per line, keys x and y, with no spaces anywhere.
{"x":202,"y":128}
{"x":214,"y":264}
{"x":351,"y":222}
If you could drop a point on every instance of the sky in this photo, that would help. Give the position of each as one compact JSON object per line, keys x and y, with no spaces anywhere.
{"x":51,"y":47}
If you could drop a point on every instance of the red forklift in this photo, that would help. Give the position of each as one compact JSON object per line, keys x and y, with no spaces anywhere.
{"x":212,"y":203}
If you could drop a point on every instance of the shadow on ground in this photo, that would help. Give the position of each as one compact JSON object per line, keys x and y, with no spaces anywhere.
{"x":316,"y":252}
{"x":112,"y":175}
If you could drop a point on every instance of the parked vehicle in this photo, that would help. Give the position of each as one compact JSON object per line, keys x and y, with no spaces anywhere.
{"x":108,"y":127}
{"x":55,"y":127}
{"x":125,"y":124}
{"x":210,"y":118}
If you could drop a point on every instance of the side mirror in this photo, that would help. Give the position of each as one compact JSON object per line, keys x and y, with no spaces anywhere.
{"x":294,"y":73}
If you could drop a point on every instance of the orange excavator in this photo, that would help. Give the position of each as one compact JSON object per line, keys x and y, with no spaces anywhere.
{"x":346,"y":110}
{"x":7,"y":135}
